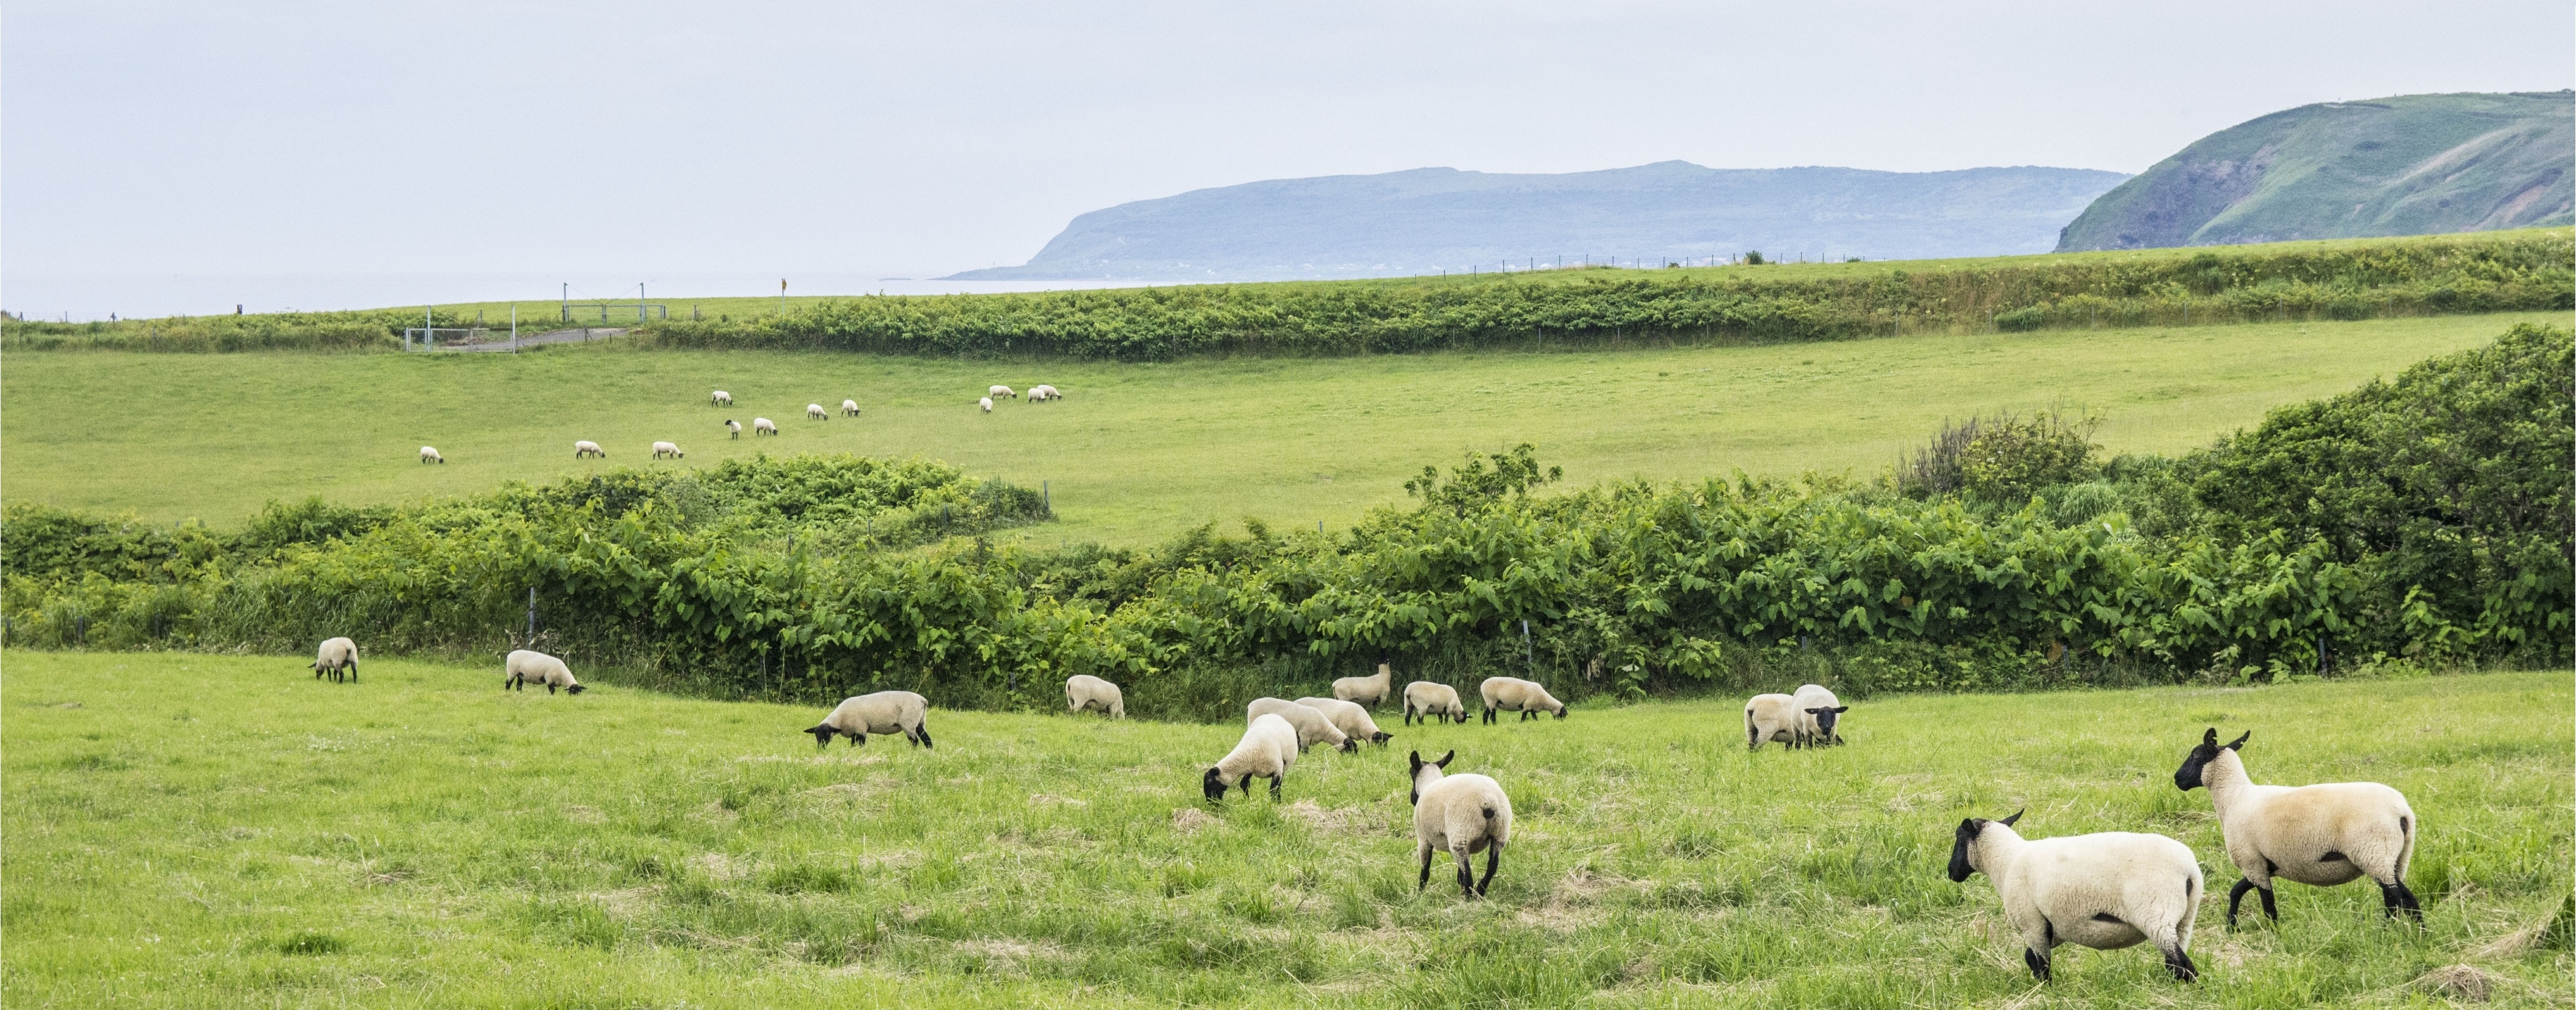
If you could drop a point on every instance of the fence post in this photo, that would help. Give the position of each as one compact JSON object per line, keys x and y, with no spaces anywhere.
{"x":532,"y":617}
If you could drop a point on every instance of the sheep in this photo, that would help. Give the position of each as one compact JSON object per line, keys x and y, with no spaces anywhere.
{"x":721,"y":399}
{"x":733,"y":428}
{"x":430,"y":455}
{"x":525,"y":667}
{"x":671,"y":449}
{"x":760,"y":425}
{"x":1818,"y":710}
{"x":1268,"y":749}
{"x":2322,"y":835}
{"x":586,"y":447}
{"x":1083,"y":690}
{"x":1516,"y":695}
{"x":1349,"y":717}
{"x":1312,"y":726}
{"x":815,"y":412}
{"x":1771,"y":717}
{"x":2105,"y":891}
{"x":1426,"y":699}
{"x":1043,"y":393}
{"x":1369,"y":691}
{"x":1001,"y":393}
{"x":986,"y":403}
{"x":849,"y":408}
{"x":880,"y":713}
{"x":1463,"y":814}
{"x":337,"y":655}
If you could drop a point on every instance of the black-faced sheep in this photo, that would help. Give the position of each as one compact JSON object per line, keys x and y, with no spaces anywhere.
{"x":1268,"y":749}
{"x":524,"y":667}
{"x":586,"y":447}
{"x":849,"y":408}
{"x":815,"y":412}
{"x":763,"y":426}
{"x":1312,"y":726}
{"x":1461,"y":815}
{"x":1083,"y":690}
{"x":2322,"y":835}
{"x":2104,"y":891}
{"x":429,"y":454}
{"x":1000,"y":393}
{"x":733,"y":428}
{"x":336,"y":656}
{"x":1769,"y":717}
{"x":720,"y":399}
{"x":1818,"y":711}
{"x":1512,"y":694}
{"x":986,"y":403}
{"x":1350,"y":717}
{"x":1428,"y":700}
{"x":670,"y":449}
{"x":880,"y":713}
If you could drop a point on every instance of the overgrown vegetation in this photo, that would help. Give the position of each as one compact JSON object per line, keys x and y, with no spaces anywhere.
{"x":2432,"y":531}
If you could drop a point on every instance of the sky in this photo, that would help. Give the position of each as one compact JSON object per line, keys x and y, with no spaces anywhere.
{"x":185,"y":157}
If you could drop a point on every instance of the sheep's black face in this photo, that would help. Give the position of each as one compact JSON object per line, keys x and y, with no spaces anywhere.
{"x":1350,"y":744}
{"x":1560,"y":711}
{"x":1212,"y":786}
{"x":1826,"y":717}
{"x":575,"y":689}
{"x":822,"y":736}
{"x":1967,"y":838}
{"x":2189,"y":776}
{"x":1381,"y":738}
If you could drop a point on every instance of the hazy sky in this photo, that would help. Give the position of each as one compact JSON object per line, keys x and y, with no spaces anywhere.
{"x":164,"y":139}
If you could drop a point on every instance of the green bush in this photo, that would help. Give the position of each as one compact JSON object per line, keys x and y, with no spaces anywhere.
{"x":2022,"y":319}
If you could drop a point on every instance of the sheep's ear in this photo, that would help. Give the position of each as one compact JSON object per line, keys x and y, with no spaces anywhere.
{"x":1446,"y":758}
{"x":1840,"y":709}
{"x":1416,"y":758}
{"x":2239,"y":744}
{"x":2008,"y":821}
{"x":2209,"y":737}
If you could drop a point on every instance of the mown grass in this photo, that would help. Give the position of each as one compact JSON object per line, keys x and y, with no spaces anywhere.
{"x":201,"y":830}
{"x":1138,"y":451}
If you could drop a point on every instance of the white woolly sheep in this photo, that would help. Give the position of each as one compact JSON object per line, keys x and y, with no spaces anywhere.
{"x":337,"y":655}
{"x":1818,"y":711}
{"x":849,"y":408}
{"x":1350,"y":717}
{"x":670,"y":449}
{"x":586,"y":447}
{"x":721,"y":399}
{"x":815,"y":412}
{"x":1461,"y":814}
{"x":763,"y":425}
{"x":733,"y":428}
{"x":1268,"y":749}
{"x":1512,"y":694}
{"x":1083,"y":690}
{"x":430,"y":455}
{"x":1771,"y":717}
{"x":2321,"y":835}
{"x":1426,"y":699}
{"x":1043,"y":393}
{"x":1371,"y":691}
{"x":525,"y":667}
{"x":986,"y":403}
{"x":1312,"y":726}
{"x":2105,"y":891}
{"x":880,"y":713}
{"x":1000,"y":393}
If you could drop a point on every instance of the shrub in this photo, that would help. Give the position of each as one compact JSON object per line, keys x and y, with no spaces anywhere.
{"x":2030,"y":317}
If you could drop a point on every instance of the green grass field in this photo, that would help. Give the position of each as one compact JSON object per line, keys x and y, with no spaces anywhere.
{"x":1138,"y":451}
{"x":225,"y":831}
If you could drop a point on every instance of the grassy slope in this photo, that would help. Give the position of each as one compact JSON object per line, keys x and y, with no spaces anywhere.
{"x":178,"y":823}
{"x":1139,"y":451}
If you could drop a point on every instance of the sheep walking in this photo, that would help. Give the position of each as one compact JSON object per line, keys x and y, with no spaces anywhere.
{"x":733,"y":428}
{"x":1428,"y":700}
{"x":1371,"y":691}
{"x":338,"y":655}
{"x":1268,"y":749}
{"x":1082,"y":691}
{"x":720,"y":399}
{"x":849,"y":408}
{"x":880,"y":713}
{"x":586,"y":447}
{"x":430,"y":455}
{"x":1000,"y":393}
{"x":986,"y":403}
{"x":670,"y":449}
{"x":1512,"y":694}
{"x":1312,"y":726}
{"x":1350,"y":717}
{"x":524,"y":667}
{"x":1769,"y":717}
{"x":2105,"y":891}
{"x":1818,"y":713}
{"x":2320,"y":835}
{"x":815,"y":412}
{"x":763,"y":426}
{"x":1462,"y":815}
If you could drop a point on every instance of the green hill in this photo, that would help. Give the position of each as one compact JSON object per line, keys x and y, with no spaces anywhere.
{"x":2410,"y":165}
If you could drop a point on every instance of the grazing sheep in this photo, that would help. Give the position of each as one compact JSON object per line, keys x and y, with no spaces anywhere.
{"x":1001,"y":393}
{"x":525,"y":667}
{"x":1771,"y":717}
{"x":1083,"y":690}
{"x":721,"y":399}
{"x":880,"y":713}
{"x":1512,"y":694}
{"x":2321,"y":835}
{"x":1351,"y":718}
{"x":2104,"y":891}
{"x":1426,"y":699}
{"x":1043,"y":393}
{"x":1370,"y":691}
{"x":1463,"y":814}
{"x":849,"y":408}
{"x":1268,"y":749}
{"x":733,"y":428}
{"x":337,"y":655}
{"x":430,"y":455}
{"x":815,"y":412}
{"x":1818,"y":710}
{"x":587,"y":447}
{"x":760,"y":425}
{"x":1312,"y":726}
{"x":671,"y":449}
{"x":986,"y":403}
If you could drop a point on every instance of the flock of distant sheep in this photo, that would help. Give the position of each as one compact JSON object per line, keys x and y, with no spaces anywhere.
{"x":2106,"y":891}
{"x":585,"y":448}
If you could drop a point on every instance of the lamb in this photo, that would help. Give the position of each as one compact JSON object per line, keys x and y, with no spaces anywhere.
{"x":880,"y":713}
{"x":1312,"y":726}
{"x":1000,"y":393}
{"x":2321,"y":835}
{"x":430,"y":455}
{"x":1349,"y":717}
{"x":1083,"y":690}
{"x":1516,"y":695}
{"x":815,"y":412}
{"x":1426,"y":699}
{"x":1268,"y":750}
{"x":733,"y":428}
{"x":986,"y":403}
{"x":586,"y":447}
{"x":721,"y":399}
{"x":525,"y":667}
{"x":2105,"y":891}
{"x":849,"y":408}
{"x":1818,"y":710}
{"x":337,"y":655}
{"x":671,"y":449}
{"x":1369,"y":691}
{"x":1771,"y":717}
{"x":1463,"y":814}
{"x":760,"y":425}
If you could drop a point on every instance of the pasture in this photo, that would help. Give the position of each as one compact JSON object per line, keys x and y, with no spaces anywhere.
{"x":1137,"y":451}
{"x":219,"y":830}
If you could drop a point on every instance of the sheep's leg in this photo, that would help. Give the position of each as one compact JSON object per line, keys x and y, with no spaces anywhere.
{"x":1275,"y":780}
{"x":924,"y":730}
{"x":2038,"y":962}
{"x":1466,"y":869}
{"x":1493,"y":855}
{"x":2395,"y":898}
{"x":2178,"y":961}
{"x":2269,"y":912}
{"x":353,"y":672}
{"x":1423,"y":849}
{"x":2236,"y":897}
{"x":2036,"y":945}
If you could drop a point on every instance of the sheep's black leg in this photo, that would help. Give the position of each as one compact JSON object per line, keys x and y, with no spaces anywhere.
{"x":1466,"y":871}
{"x":2395,"y":898}
{"x":1493,"y":855}
{"x":2236,"y":896}
{"x":2269,"y":912}
{"x":1426,"y":870}
{"x":2178,"y":961}
{"x":353,"y":673}
{"x":925,"y":736}
{"x":1275,"y":780}
{"x":2037,"y":961}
